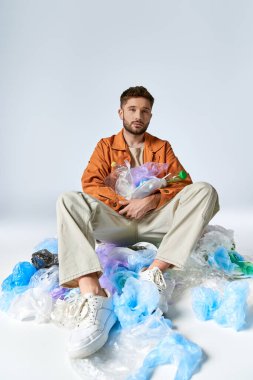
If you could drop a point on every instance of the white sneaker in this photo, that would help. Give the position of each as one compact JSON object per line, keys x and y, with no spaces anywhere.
{"x":155,"y":275}
{"x":95,"y":317}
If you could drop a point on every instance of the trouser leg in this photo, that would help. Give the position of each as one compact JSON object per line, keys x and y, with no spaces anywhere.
{"x":179,"y":224}
{"x":81,"y":220}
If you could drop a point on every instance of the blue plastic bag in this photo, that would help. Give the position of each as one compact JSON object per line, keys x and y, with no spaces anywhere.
{"x":51,"y":244}
{"x":137,"y":301}
{"x":232,"y":310}
{"x":204,"y":302}
{"x":20,"y":276}
{"x":174,"y":349}
{"x":227,"y":309}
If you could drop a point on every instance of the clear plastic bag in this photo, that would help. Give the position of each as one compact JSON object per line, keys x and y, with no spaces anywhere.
{"x":46,"y":279}
{"x":34,"y":303}
{"x":138,"y":182}
{"x":133,"y":353}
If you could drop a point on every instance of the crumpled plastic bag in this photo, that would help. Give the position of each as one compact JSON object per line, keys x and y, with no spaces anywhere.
{"x":7,"y":297}
{"x":44,"y":259}
{"x":20,"y":276}
{"x":205,"y":301}
{"x":232,"y":311}
{"x":46,"y":279}
{"x":138,"y":300}
{"x":227,"y":305}
{"x":138,"y":182}
{"x":51,"y":244}
{"x":133,"y":353}
{"x":121,"y":263}
{"x":174,"y":349}
{"x":212,"y":238}
{"x":34,"y":304}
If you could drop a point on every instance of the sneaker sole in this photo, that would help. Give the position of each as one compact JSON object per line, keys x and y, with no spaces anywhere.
{"x":96,"y":344}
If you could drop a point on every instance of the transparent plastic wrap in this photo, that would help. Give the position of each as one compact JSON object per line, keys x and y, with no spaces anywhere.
{"x":213,"y":237}
{"x":46,"y":279}
{"x":34,"y":300}
{"x":34,"y":304}
{"x":200,"y":266}
{"x":172,"y":349}
{"x":141,"y":181}
{"x":134,"y":353}
{"x":146,"y":339}
{"x":7,"y":297}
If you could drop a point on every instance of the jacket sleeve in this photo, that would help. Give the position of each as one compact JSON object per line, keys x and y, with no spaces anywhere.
{"x":98,"y":168}
{"x":169,"y":192}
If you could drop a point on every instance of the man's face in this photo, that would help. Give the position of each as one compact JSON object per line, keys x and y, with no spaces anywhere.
{"x":136,"y":115}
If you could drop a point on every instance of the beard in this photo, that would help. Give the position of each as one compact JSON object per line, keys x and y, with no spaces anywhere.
{"x":139,"y":131}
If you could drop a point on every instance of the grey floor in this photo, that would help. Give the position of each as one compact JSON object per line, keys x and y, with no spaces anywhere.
{"x":30,"y":351}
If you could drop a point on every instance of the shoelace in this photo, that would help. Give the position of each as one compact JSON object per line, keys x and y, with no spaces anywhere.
{"x":156,"y":276}
{"x":81,"y":309}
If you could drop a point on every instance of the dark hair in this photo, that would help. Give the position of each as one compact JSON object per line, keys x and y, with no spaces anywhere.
{"x":136,"y":92}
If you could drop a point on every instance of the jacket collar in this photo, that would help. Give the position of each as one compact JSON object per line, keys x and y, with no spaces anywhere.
{"x":151,"y":142}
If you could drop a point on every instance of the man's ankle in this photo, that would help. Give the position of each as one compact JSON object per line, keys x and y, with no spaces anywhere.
{"x":162,"y":265}
{"x":90,"y":284}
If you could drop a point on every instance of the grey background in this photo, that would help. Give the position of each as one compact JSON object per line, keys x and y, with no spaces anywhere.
{"x":64,"y":64}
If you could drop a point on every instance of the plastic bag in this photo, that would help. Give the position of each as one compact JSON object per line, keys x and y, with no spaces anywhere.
{"x":20,"y":276}
{"x":205,"y":301}
{"x":121,"y":263}
{"x":227,"y":305}
{"x":138,"y":300}
{"x":141,"y":181}
{"x":46,"y":279}
{"x":134,"y":352}
{"x":44,"y":259}
{"x":7,"y":297}
{"x":212,"y":238}
{"x":34,"y":303}
{"x":173,"y":349}
{"x":51,"y":244}
{"x":232,"y":311}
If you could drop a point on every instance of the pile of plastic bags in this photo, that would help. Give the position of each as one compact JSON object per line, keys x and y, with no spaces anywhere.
{"x":142,"y":337}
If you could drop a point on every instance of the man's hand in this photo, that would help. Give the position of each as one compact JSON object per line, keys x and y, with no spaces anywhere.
{"x":138,"y":208}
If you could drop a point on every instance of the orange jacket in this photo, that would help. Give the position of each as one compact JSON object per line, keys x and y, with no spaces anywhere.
{"x":115,"y":149}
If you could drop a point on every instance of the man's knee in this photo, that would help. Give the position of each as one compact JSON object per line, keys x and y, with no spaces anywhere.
{"x":66,"y":199}
{"x":210,"y":195}
{"x":205,"y":188}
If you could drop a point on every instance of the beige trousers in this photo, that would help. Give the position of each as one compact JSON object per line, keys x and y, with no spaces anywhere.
{"x":175,"y":228}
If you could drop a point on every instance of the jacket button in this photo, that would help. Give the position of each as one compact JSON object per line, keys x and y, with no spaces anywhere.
{"x":166,"y":191}
{"x":114,"y":204}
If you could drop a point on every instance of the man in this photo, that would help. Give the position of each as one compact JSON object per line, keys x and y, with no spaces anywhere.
{"x":172,"y":218}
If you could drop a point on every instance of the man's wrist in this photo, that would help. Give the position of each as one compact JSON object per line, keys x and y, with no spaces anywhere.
{"x":155,"y":200}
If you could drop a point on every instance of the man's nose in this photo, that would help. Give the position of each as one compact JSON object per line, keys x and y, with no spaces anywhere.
{"x":137,"y":115}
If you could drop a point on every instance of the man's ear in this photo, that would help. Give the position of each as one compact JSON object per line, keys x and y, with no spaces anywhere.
{"x":120,"y":112}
